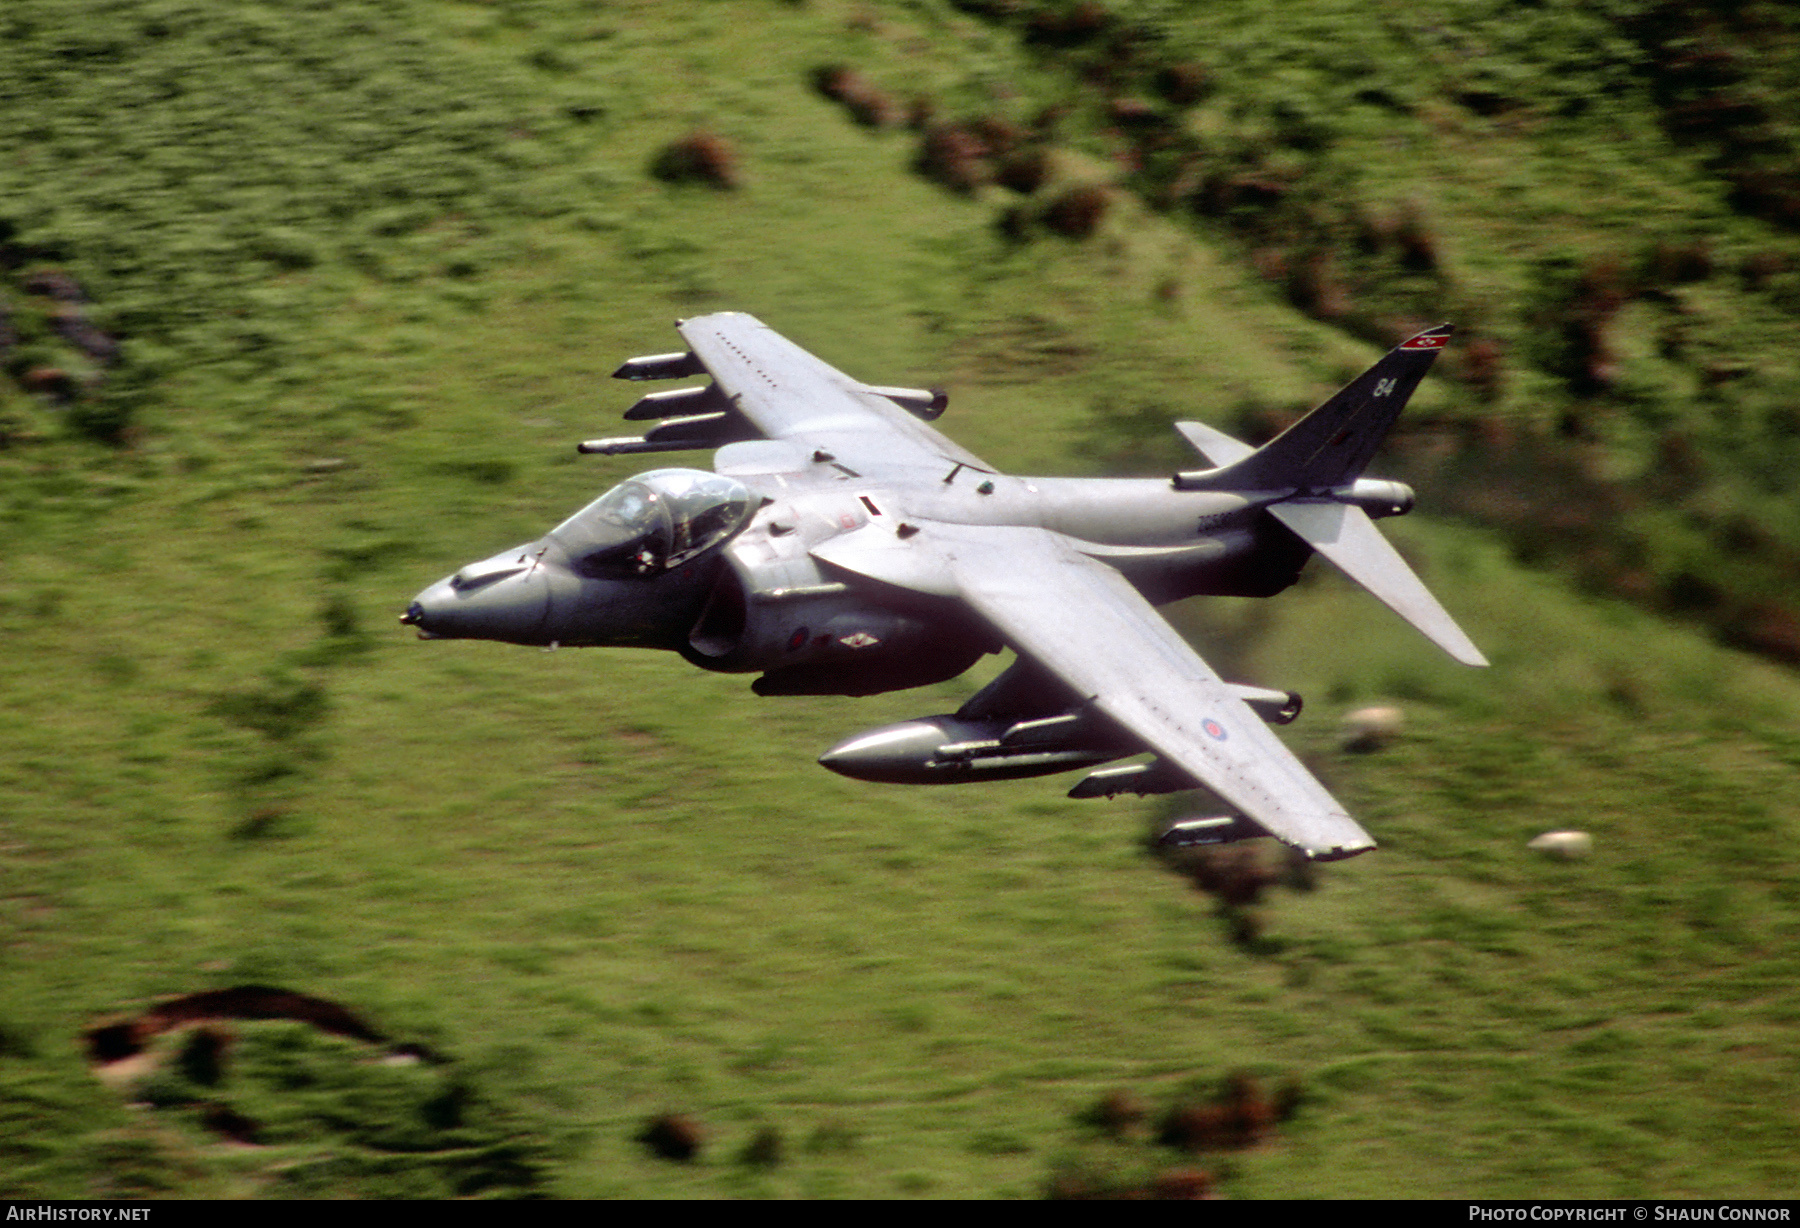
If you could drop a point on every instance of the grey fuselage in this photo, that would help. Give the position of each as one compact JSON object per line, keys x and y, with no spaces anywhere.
{"x":761,"y":601}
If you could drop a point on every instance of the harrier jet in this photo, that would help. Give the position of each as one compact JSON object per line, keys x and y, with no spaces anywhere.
{"x":842,"y":546}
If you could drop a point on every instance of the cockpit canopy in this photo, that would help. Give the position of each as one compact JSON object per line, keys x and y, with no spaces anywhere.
{"x":653,"y":522}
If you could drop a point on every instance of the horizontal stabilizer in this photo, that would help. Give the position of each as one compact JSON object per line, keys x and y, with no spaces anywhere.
{"x":1345,"y":535}
{"x":1213,"y":444}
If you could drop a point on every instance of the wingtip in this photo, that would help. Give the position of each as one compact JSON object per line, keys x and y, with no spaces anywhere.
{"x":1339,"y":853}
{"x":1462,"y":649}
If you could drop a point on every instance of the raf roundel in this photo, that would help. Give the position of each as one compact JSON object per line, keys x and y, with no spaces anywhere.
{"x":1214,"y":730}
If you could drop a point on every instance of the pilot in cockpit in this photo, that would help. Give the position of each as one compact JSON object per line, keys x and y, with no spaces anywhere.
{"x":654,"y":522}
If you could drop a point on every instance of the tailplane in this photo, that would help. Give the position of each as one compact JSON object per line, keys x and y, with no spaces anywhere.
{"x":1344,"y":534}
{"x":1312,"y":472}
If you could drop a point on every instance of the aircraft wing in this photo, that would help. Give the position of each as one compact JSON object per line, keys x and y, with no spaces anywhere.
{"x":1077,"y":617}
{"x":788,"y":394}
{"x":1085,"y":623}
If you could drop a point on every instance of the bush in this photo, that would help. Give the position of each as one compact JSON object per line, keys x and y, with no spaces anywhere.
{"x":1077,"y":213}
{"x":701,"y":157}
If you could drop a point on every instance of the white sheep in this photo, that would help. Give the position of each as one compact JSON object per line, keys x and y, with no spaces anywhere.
{"x":1370,"y":729}
{"x":1563,"y":845}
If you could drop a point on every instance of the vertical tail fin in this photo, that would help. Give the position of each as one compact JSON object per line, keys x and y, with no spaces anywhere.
{"x":1309,"y":475}
{"x":1333,"y":444}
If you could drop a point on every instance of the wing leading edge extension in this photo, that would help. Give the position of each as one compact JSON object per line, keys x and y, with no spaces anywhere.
{"x":1085,"y":623}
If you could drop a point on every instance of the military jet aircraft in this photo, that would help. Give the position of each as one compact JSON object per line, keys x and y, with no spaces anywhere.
{"x":842,"y":546}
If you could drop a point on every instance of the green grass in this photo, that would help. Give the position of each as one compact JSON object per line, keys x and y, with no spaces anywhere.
{"x":606,"y":886}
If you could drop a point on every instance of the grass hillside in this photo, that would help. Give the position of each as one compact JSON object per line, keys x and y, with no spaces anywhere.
{"x":306,"y":304}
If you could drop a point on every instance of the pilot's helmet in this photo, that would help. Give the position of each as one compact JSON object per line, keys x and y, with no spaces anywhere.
{"x":655,"y":521}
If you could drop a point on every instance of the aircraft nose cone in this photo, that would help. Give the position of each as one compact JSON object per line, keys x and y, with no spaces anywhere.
{"x":433,"y":612}
{"x":499,"y":599}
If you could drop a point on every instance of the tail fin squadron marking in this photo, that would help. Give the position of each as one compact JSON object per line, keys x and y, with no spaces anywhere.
{"x":1432,"y":339}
